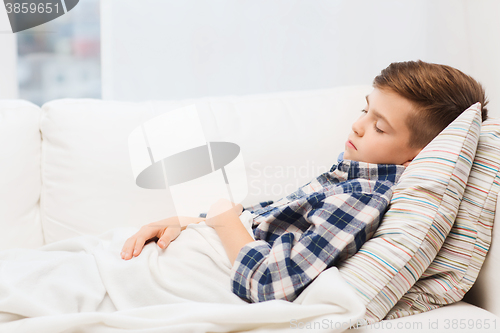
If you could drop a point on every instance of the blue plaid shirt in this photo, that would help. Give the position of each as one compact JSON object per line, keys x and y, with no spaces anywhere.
{"x":323,"y":222}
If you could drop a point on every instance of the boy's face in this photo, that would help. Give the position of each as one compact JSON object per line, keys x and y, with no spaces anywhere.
{"x":381,"y":135}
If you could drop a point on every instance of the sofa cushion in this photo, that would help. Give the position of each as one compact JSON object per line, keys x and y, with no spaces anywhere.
{"x":286,"y":139}
{"x":423,"y":208}
{"x":456,"y":266}
{"x":460,"y":317}
{"x":20,"y":175}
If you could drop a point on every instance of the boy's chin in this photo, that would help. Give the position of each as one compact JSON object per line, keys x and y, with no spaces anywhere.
{"x":348,"y":156}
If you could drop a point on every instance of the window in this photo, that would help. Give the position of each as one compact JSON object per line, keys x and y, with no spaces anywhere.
{"x":61,"y":58}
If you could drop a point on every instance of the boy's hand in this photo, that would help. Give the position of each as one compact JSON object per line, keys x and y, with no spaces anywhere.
{"x":165,"y":230}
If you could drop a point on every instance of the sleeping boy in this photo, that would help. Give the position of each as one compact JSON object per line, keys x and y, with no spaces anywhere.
{"x":328,"y":219}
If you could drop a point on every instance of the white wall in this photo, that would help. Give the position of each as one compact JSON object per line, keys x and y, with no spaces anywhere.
{"x":168,"y":49}
{"x":8,"y":58}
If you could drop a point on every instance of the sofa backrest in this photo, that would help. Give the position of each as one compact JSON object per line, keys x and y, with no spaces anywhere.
{"x":286,"y":139}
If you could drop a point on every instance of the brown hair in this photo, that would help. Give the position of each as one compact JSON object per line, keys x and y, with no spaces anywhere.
{"x":439,"y":93}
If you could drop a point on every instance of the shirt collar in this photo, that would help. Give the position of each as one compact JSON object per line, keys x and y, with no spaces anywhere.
{"x":348,"y":169}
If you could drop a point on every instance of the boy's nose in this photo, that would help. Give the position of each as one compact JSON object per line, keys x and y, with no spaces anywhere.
{"x":357,"y":128}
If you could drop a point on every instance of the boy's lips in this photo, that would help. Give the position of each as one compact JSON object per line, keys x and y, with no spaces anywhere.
{"x":350,"y":145}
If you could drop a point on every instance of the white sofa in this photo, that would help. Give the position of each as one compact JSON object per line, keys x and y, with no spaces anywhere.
{"x":65,"y":171}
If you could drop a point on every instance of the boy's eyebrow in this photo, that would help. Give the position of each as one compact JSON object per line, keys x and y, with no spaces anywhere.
{"x":378,"y":115}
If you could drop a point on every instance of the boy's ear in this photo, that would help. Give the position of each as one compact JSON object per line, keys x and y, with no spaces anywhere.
{"x":405,"y":164}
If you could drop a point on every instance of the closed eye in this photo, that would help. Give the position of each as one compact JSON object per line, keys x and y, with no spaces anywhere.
{"x":378,"y":129}
{"x":375,"y":125}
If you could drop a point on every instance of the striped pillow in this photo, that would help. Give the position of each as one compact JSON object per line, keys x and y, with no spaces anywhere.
{"x":422,"y":211}
{"x":456,"y":267}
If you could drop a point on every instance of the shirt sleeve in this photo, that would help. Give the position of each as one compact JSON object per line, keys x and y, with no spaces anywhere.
{"x":258,"y":206}
{"x":338,"y":226}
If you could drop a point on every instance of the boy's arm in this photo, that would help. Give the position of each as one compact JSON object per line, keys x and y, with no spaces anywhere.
{"x":251,"y":208}
{"x":184,"y":221}
{"x":223,"y":216}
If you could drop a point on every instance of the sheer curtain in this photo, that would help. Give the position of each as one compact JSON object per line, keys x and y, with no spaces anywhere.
{"x":168,"y":49}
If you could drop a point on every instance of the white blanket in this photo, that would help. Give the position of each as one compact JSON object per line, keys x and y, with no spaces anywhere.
{"x":82,"y":285}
